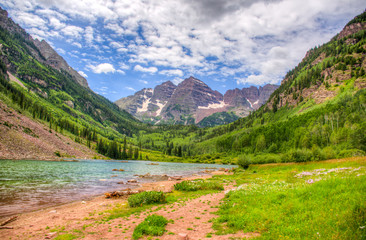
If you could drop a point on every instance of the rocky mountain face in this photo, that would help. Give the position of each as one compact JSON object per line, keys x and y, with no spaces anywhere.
{"x":41,"y":50}
{"x":326,"y":70}
{"x":191,"y":101}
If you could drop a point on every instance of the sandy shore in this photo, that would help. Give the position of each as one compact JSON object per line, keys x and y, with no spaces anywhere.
{"x":83,"y":218}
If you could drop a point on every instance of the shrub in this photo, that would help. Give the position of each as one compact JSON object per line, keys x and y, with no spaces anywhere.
{"x":266,"y":158}
{"x":198,"y":185}
{"x":244,"y":161}
{"x":149,"y":197}
{"x":153,"y":225}
{"x":66,"y":236}
{"x":298,"y":155}
{"x":351,"y":153}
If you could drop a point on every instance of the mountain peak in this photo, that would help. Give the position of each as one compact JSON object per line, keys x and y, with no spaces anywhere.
{"x":168,"y":83}
{"x":192,"y":82}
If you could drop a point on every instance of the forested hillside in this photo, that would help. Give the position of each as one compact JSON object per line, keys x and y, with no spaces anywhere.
{"x":317,"y":113}
{"x":54,"y":97}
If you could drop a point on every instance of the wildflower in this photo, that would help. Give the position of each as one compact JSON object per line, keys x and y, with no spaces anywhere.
{"x":310,"y":181}
{"x":362,"y":227}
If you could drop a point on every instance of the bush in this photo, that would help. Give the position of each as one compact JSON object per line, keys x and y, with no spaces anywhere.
{"x":298,"y":155}
{"x":244,"y":161}
{"x":153,"y":225}
{"x":149,"y":197}
{"x":266,"y":158}
{"x":198,"y":185}
{"x":351,"y":153}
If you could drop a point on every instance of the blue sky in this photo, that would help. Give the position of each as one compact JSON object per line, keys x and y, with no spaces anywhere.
{"x":124,"y":46}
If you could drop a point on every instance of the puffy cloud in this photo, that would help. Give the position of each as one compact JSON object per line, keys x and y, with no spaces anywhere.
{"x":173,"y":72}
{"x":143,"y":69}
{"x":143,"y":81}
{"x":72,"y":31}
{"x":102,"y":68}
{"x":177,"y":80}
{"x":89,"y":37}
{"x":82,"y":74}
{"x":252,"y":41}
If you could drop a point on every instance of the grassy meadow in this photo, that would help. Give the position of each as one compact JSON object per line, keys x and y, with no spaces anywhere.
{"x":317,"y":200}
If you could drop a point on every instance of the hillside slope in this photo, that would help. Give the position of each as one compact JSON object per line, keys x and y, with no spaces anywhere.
{"x":24,"y":138}
{"x":318,"y":112}
{"x":38,"y":83}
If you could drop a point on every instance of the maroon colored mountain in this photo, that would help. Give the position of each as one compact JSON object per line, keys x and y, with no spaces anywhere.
{"x":191,"y":101}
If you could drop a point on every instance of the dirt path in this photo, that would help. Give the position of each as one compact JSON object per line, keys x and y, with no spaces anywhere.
{"x":84,"y":219}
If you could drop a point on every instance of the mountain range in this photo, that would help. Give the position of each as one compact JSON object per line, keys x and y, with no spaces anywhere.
{"x":192,"y":101}
{"x":318,"y":112}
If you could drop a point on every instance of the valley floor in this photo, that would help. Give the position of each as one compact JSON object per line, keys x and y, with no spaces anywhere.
{"x":272,"y":201}
{"x":86,"y":219}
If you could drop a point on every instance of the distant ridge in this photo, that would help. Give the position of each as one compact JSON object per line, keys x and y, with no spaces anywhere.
{"x":192,"y":101}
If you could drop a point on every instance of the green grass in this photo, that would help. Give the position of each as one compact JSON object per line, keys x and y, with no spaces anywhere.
{"x":153,"y":225}
{"x":124,"y":210}
{"x":66,"y":236}
{"x":279,"y":204}
{"x":199,"y":184}
{"x":145,"y":198}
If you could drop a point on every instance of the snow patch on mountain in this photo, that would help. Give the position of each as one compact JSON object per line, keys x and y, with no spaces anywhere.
{"x":221,"y":104}
{"x":161,"y":106}
{"x":146,"y":102}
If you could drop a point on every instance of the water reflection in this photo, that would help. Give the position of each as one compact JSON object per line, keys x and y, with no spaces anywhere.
{"x":27,"y":185}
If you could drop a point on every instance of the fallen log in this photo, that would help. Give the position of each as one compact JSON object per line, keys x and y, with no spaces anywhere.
{"x":117,"y":194}
{"x":5,"y":227}
{"x":9,"y":220}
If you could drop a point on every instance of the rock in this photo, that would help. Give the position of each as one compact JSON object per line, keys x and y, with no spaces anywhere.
{"x":119,"y":170}
{"x":53,"y":211}
{"x":121,"y":182}
{"x":132,"y":181}
{"x":69,"y":103}
{"x":183,"y":236}
{"x":83,"y":202}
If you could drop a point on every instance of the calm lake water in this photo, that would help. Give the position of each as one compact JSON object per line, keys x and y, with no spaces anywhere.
{"x":27,"y":185}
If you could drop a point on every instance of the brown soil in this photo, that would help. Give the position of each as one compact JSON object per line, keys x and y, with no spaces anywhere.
{"x":22,"y":137}
{"x":83,"y":218}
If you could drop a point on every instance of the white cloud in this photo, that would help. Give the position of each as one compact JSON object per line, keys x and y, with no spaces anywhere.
{"x":61,"y":51}
{"x":102,"y":68}
{"x":56,"y":24}
{"x":143,"y":69}
{"x":72,"y":31}
{"x":252,"y":41}
{"x":76,"y":44}
{"x":123,"y":66}
{"x":121,"y":72}
{"x":131,"y":89}
{"x":173,"y":72}
{"x":89,"y":37}
{"x":177,"y":80}
{"x":82,"y":74}
{"x":143,"y":81}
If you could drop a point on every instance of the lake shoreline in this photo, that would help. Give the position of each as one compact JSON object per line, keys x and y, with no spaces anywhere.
{"x":30,"y":224}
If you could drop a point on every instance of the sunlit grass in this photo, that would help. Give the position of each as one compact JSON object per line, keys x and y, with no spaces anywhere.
{"x":322,"y":200}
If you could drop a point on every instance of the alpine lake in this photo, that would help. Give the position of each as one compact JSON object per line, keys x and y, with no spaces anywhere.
{"x":27,"y":185}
